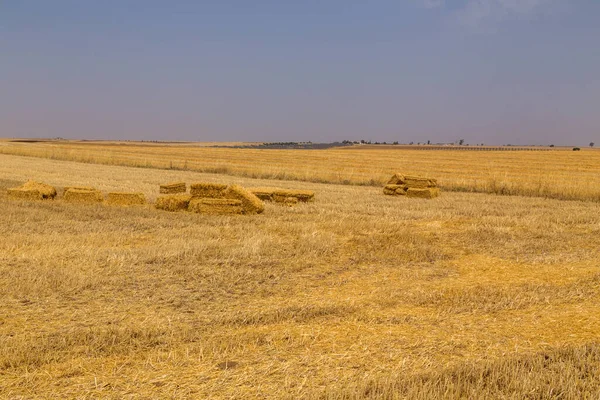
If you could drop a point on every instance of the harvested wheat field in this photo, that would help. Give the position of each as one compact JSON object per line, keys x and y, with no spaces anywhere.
{"x":559,"y":174}
{"x":355,"y":296}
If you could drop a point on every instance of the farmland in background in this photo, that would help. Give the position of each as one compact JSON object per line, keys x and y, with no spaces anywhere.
{"x":555,"y":174}
{"x":357,"y":295}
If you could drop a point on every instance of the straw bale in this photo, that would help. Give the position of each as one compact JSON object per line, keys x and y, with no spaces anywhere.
{"x":33,"y":191}
{"x":23,"y":193}
{"x":302,"y":195}
{"x":173,"y":202}
{"x":263,"y":193}
{"x":207,"y":205}
{"x":210,"y":190}
{"x":250,"y":203}
{"x":279,"y":195}
{"x":396,"y":179}
{"x":392,"y":190}
{"x":125,"y":199}
{"x":173,"y":187}
{"x":427,"y":193}
{"x":420,"y":182}
{"x":83,"y":196}
{"x":66,"y":188}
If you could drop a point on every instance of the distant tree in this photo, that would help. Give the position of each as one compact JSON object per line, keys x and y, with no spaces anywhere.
{"x":396,"y":142}
{"x":576,"y":149}
{"x":592,"y":144}
{"x":429,"y":142}
{"x":411,"y":142}
{"x":551,"y":145}
{"x":461,"y":141}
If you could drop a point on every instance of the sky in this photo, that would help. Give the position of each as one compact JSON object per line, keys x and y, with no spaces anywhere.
{"x":486,"y":71}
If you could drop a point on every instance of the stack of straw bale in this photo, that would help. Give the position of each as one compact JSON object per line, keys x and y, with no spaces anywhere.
{"x":83,"y":195}
{"x":173,"y":187}
{"x":412,"y":186}
{"x":125,"y":199}
{"x":207,"y":190}
{"x":285,"y":196}
{"x":33,"y":191}
{"x":208,"y":205}
{"x":173,"y":202}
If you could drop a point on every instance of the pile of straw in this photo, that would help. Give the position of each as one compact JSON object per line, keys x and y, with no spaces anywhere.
{"x":208,"y":205}
{"x":173,"y":187}
{"x":33,"y":191}
{"x":250,"y":203}
{"x":411,"y":186}
{"x":83,"y":195}
{"x":210,"y":190}
{"x":173,"y":202}
{"x":125,"y":199}
{"x":281,"y":195}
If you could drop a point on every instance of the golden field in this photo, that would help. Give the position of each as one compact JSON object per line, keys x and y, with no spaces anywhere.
{"x":354,"y":296}
{"x":560,"y":174}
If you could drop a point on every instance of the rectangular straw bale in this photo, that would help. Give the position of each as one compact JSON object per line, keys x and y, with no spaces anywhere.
{"x":396,"y":179}
{"x":25,"y":194}
{"x":250,"y":203}
{"x":213,"y":206}
{"x":420,"y":182}
{"x":173,"y":187}
{"x":279,"y":195}
{"x":173,"y":202}
{"x":83,"y":196}
{"x":206,"y":189}
{"x":263,"y":193}
{"x":302,"y":195}
{"x":428,"y":193}
{"x":392,"y":190}
{"x":125,"y":199}
{"x":66,"y":188}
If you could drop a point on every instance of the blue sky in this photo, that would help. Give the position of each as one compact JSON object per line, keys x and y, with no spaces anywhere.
{"x":491,"y":71}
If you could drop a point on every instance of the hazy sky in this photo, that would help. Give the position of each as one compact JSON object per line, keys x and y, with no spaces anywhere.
{"x":492,"y":71}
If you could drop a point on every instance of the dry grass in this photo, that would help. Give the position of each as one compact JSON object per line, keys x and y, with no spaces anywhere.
{"x":356,"y":295}
{"x":550,"y":174}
